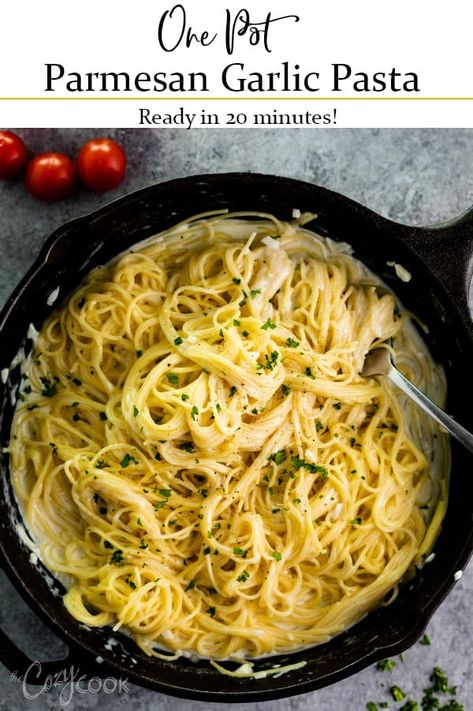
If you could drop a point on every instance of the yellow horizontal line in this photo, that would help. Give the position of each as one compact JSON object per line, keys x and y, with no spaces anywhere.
{"x":236,"y":98}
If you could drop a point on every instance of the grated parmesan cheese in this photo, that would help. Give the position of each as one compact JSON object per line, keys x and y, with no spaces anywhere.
{"x":52,"y":296}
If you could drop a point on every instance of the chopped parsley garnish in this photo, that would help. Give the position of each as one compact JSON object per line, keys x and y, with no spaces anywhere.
{"x":309,"y":372}
{"x":194,"y":412}
{"x":218,"y":407}
{"x":243,"y":577}
{"x":318,"y":426}
{"x":240,"y":552}
{"x":430,"y":700}
{"x":49,"y":387}
{"x":276,"y":555}
{"x":337,"y":405}
{"x":233,"y":390}
{"x":235,"y":280}
{"x":425,"y":641}
{"x":184,"y":397}
{"x":269,"y":361}
{"x":187,"y":447}
{"x":117,"y":557}
{"x":143,"y":544}
{"x":190,"y":585}
{"x":165,"y":492}
{"x":178,"y":341}
{"x":285,"y":389}
{"x":77,"y":382}
{"x":135,"y":411}
{"x":298,"y":463}
{"x":254,"y":292}
{"x":131,"y":584}
{"x":126,"y":461}
{"x":245,"y":334}
{"x":207,"y":550}
{"x":439,"y":680}
{"x":291,"y":343}
{"x":204,"y":492}
{"x":297,"y":501}
{"x":268,"y":324}
{"x":54,"y":448}
{"x":75,"y":417}
{"x":173,"y":378}
{"x":385,"y":665}
{"x":103,"y":416}
{"x":160,"y":505}
{"x":278,"y":457}
{"x":397,"y":693}
{"x":357,"y":522}
{"x":74,"y":404}
{"x":211,"y":611}
{"x":236,"y":322}
{"x":138,"y":354}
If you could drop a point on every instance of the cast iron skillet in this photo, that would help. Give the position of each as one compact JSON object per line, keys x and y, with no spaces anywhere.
{"x":440,"y":259}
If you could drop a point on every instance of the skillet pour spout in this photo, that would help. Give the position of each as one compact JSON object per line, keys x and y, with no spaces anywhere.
{"x":439,"y":261}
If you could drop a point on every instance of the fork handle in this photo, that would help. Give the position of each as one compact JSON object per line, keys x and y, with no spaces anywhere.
{"x":456,"y":430}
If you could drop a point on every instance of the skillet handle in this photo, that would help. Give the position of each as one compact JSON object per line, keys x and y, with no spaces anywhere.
{"x":447,"y":250}
{"x":37,"y":673}
{"x":50,"y":673}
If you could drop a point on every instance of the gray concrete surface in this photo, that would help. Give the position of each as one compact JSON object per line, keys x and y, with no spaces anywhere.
{"x":415,"y":176}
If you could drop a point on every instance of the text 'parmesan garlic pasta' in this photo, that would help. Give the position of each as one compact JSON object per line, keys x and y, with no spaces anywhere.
{"x":196,"y":451}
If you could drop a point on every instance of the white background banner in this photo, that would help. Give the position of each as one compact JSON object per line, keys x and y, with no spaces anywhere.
{"x":197,"y":64}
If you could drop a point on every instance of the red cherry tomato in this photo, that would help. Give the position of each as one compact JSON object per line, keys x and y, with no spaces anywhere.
{"x":101,"y":164}
{"x":50,"y":177}
{"x":13,"y":154}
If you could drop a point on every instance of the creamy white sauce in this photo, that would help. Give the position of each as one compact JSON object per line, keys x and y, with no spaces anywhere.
{"x":18,"y":358}
{"x":53,"y":296}
{"x":32,"y":333}
{"x":270,"y":242}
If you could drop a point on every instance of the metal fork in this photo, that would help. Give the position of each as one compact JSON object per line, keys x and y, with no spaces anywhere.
{"x":378,"y":363}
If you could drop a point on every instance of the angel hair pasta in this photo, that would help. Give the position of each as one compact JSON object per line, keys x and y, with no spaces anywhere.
{"x":196,"y":450}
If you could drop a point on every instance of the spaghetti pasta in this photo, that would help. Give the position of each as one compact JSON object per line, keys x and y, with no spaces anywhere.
{"x":196,"y":450}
